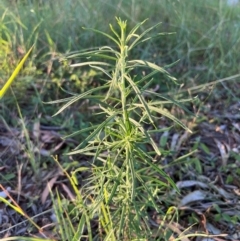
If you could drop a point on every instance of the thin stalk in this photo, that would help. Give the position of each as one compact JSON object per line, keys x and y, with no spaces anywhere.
{"x":128,"y":181}
{"x":122,"y":60}
{"x":122,"y":63}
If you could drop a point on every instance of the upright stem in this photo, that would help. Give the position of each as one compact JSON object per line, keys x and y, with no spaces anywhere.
{"x":122,"y":63}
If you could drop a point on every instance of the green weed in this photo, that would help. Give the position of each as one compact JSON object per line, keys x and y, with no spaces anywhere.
{"x":124,"y":182}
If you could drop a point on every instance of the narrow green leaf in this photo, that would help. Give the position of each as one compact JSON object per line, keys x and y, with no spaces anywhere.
{"x":95,"y":132}
{"x":102,"y":70}
{"x":166,"y":113}
{"x":14,"y":74}
{"x":25,"y":239}
{"x":171,"y":100}
{"x":75,"y":98}
{"x":116,"y":184}
{"x":89,"y":150}
{"x":140,"y":97}
{"x":17,"y":209}
{"x":122,"y":221}
{"x":156,"y":149}
{"x":150,"y":38}
{"x":114,"y":31}
{"x":58,"y":208}
{"x":80,"y":229}
{"x":142,"y":63}
{"x":104,"y":56}
{"x":139,"y":177}
{"x":90,"y":63}
{"x":49,"y":39}
{"x":102,"y":52}
{"x":131,"y":165}
{"x":140,"y":36}
{"x":80,"y":131}
{"x":134,"y":29}
{"x":147,"y":84}
{"x":105,"y":34}
{"x":161,"y":172}
{"x":147,"y":77}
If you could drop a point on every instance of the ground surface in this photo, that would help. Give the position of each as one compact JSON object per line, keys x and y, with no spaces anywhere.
{"x":208,"y":178}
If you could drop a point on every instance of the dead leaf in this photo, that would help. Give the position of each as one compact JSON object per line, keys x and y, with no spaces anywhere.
{"x":13,"y":145}
{"x":222,"y":149}
{"x":36,"y":129}
{"x":193,"y":197}
{"x":69,"y":193}
{"x":212,"y":229}
{"x":174,"y":142}
{"x":190,"y":183}
{"x":48,"y":188}
{"x":182,"y":139}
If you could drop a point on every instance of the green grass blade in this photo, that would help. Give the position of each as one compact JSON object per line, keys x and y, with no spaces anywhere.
{"x":17,"y":209}
{"x":14,"y":74}
{"x":80,"y":228}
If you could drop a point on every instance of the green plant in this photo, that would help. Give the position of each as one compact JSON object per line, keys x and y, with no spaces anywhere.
{"x":14,"y":74}
{"x":124,"y":182}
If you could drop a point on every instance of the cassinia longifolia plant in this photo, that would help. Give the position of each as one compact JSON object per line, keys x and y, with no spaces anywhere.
{"x":125,"y":180}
